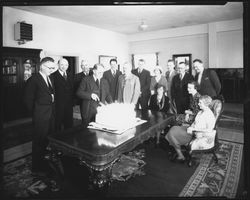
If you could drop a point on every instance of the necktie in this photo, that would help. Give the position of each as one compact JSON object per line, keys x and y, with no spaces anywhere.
{"x":113,"y":73}
{"x":97,"y":82}
{"x":65,"y":75}
{"x":50,"y":86}
{"x":181,"y":76}
{"x":167,"y":75}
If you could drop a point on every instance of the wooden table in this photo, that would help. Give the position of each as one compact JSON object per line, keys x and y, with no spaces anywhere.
{"x":84,"y":144}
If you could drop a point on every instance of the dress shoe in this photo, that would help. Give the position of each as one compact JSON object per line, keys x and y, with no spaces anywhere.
{"x":54,"y":186}
{"x":172,"y":156}
{"x":180,"y":160}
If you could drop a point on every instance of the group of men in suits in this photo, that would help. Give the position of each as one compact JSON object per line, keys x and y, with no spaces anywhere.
{"x":50,"y":94}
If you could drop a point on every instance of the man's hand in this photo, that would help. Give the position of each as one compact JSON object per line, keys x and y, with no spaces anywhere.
{"x":95,"y":97}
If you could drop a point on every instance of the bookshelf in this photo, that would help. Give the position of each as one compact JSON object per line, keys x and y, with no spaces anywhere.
{"x":18,"y":64}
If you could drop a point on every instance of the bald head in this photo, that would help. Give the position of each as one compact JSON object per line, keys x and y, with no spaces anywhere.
{"x":63,"y":64}
{"x":85,"y":66}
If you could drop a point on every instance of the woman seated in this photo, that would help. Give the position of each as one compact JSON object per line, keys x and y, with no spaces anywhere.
{"x":159,"y":101}
{"x":190,"y":114}
{"x":158,"y":79}
{"x":202,"y":126}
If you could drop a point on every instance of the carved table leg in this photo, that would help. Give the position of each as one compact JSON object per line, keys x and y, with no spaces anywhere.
{"x":100,"y":176}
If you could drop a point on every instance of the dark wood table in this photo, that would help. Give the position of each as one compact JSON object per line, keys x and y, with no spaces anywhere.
{"x":84,"y":144}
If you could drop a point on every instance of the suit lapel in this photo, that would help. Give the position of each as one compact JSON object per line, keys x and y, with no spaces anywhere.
{"x":60,"y":77}
{"x":43,"y":83}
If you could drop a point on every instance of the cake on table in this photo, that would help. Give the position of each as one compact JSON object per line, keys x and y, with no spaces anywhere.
{"x":113,"y":140}
{"x":116,"y":116}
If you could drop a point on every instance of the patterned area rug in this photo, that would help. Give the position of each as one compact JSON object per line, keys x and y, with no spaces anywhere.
{"x":18,"y":180}
{"x":129,"y":166}
{"x":211,"y":179}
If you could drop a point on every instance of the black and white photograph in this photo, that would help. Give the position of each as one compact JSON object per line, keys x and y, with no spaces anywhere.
{"x":125,"y":100}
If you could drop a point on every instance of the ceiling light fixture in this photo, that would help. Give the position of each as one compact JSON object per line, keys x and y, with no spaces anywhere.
{"x":143,"y":26}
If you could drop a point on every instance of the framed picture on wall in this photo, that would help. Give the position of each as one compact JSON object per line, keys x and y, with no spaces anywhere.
{"x":186,"y":58}
{"x":103,"y":59}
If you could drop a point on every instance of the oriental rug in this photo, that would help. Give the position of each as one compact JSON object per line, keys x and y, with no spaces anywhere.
{"x":217,"y":180}
{"x":18,"y":180}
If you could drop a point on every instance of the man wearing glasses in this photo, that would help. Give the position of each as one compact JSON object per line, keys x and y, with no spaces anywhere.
{"x":39,"y":99}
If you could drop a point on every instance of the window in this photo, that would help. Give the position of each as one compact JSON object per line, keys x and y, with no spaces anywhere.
{"x":150,"y":61}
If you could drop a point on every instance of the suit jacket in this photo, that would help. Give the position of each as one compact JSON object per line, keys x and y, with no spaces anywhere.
{"x":169,"y":81}
{"x":210,"y":83}
{"x":86,"y":88}
{"x":179,"y":91}
{"x":145,"y":80}
{"x":37,"y":98}
{"x":63,"y":90}
{"x":77,"y":80}
{"x":128,"y":89}
{"x":113,"y":82}
{"x":164,"y":104}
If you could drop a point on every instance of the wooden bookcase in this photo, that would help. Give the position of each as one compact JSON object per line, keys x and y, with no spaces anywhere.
{"x":18,"y":64}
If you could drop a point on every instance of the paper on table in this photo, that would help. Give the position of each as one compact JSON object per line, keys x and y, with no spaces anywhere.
{"x":96,"y":126}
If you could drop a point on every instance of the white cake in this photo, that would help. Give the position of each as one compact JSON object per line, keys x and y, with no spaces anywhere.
{"x":116,"y":116}
{"x":113,"y":140}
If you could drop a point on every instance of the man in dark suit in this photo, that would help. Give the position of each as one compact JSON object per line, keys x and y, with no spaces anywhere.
{"x":179,"y":92}
{"x":171,"y":72}
{"x":93,"y":90}
{"x":39,"y":99}
{"x":112,"y":76}
{"x":208,"y":81}
{"x":78,"y":78}
{"x":145,"y":79}
{"x":63,"y":96}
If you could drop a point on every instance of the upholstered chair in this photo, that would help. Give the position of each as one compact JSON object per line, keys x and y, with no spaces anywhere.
{"x":212,"y":142}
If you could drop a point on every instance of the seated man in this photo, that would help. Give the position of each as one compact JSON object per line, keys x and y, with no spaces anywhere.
{"x":159,"y":101}
{"x":202,"y":126}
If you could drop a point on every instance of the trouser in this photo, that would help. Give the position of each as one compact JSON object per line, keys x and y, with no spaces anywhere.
{"x":143,"y":102}
{"x":64,"y":117}
{"x":42,"y":129}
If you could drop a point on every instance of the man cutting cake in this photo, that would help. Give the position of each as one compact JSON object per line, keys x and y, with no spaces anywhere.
{"x":93,"y":90}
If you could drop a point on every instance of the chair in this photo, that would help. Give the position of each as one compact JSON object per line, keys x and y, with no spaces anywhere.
{"x":217,"y":107}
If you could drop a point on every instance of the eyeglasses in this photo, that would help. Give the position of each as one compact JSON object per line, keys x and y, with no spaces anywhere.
{"x":48,"y":66}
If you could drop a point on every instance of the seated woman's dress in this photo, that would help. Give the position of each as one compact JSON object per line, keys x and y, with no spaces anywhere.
{"x":159,"y":104}
{"x":178,"y":135}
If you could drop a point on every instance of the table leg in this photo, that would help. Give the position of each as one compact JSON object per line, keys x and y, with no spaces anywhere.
{"x":100,"y":176}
